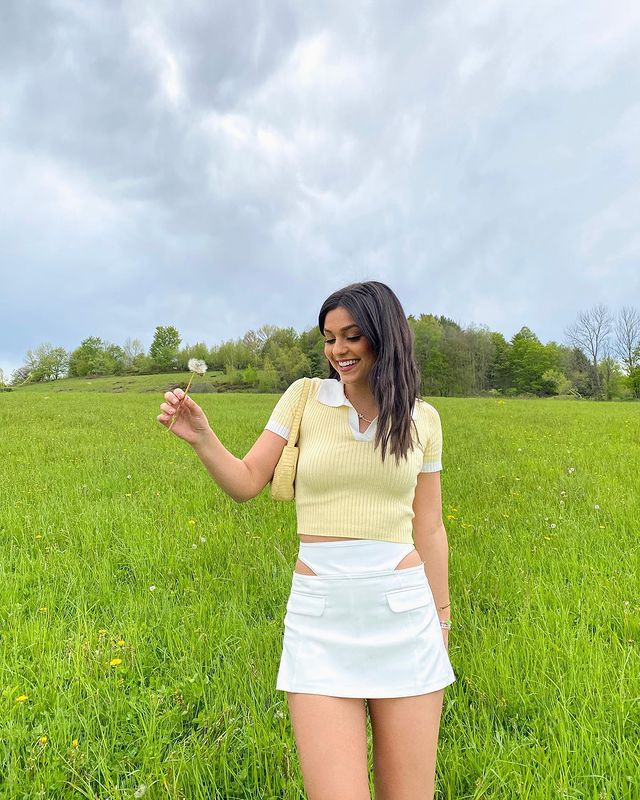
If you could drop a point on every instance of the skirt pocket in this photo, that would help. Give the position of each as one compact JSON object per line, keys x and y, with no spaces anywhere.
{"x":411,"y":597}
{"x":305,"y":603}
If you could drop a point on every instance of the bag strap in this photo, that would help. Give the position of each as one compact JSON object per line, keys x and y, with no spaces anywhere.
{"x":295,"y":425}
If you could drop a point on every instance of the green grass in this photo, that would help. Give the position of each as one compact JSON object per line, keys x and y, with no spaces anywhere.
{"x":99,"y":503}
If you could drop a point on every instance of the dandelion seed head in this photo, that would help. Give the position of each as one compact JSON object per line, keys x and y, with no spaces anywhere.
{"x":197,"y":365}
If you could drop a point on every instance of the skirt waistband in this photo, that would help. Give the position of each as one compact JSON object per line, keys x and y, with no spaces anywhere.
{"x":371,"y":556}
{"x":410,"y":576}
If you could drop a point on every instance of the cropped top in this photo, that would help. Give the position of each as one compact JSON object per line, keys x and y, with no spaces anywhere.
{"x":342,"y":486}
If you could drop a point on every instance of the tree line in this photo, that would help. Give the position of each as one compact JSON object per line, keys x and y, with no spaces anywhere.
{"x":599,"y":359}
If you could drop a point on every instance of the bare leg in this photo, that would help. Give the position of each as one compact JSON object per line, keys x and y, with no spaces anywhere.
{"x":331,"y":740}
{"x":405,"y":741}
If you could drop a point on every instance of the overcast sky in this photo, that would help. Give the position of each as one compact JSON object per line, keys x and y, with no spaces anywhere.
{"x":222,"y":165}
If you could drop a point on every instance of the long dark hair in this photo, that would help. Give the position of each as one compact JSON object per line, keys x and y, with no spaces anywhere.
{"x":394,"y":378}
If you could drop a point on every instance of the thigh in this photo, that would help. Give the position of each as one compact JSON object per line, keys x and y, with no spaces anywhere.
{"x":331,"y":740}
{"x":405,"y":741}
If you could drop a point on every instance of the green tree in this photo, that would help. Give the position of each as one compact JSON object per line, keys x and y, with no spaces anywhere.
{"x":499,"y":370}
{"x":114,"y":359}
{"x":164,"y":347}
{"x":268,"y":377}
{"x":611,"y":379}
{"x":554,"y":382}
{"x":428,"y":336}
{"x":312,"y":345}
{"x":633,"y":381}
{"x":88,"y":358}
{"x":46,"y":362}
{"x":529,"y":361}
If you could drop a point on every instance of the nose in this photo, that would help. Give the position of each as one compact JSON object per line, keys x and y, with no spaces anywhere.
{"x":339,"y":350}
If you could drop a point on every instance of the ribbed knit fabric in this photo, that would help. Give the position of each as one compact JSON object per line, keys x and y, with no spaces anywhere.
{"x":342,"y":487}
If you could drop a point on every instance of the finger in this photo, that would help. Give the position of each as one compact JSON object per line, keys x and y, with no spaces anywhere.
{"x":178,"y":393}
{"x":170,"y":397}
{"x":163,"y":418}
{"x":167,"y":408}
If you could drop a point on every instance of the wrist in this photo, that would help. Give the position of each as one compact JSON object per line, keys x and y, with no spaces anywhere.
{"x":203,"y":440}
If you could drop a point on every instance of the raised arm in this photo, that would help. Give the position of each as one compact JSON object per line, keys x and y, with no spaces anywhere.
{"x":241,"y":478}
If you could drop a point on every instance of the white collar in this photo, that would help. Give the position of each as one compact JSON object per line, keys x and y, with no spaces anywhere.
{"x":331,"y":393}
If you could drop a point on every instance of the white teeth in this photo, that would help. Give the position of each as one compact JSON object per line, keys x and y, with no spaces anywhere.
{"x":347,"y":363}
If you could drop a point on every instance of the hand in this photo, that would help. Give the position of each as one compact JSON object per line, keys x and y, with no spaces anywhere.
{"x":191,"y":423}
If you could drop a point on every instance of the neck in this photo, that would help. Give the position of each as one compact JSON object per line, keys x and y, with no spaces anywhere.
{"x":361,"y":397}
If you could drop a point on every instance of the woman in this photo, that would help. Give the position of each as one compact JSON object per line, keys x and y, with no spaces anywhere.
{"x":365,"y":627}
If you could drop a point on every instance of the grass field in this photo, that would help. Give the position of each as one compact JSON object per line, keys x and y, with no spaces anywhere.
{"x":142,"y":608}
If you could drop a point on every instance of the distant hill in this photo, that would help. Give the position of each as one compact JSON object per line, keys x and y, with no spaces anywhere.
{"x":162,"y":382}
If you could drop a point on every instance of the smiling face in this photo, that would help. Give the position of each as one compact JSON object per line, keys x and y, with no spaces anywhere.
{"x":345,"y":343}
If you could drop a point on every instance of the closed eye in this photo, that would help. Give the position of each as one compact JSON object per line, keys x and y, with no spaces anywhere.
{"x":349,"y":339}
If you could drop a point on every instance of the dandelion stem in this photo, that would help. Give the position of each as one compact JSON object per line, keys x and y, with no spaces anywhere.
{"x":175,"y":416}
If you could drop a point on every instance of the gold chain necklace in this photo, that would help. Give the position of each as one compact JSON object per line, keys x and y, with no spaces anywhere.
{"x":362,"y":416}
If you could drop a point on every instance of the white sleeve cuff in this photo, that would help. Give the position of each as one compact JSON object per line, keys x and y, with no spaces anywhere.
{"x":276,"y":428}
{"x":433,"y":466}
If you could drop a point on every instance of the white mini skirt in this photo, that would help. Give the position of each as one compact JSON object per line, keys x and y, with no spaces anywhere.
{"x":359,"y":627}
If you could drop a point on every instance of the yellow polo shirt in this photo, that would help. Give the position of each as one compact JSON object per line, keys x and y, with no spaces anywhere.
{"x":342,"y":487}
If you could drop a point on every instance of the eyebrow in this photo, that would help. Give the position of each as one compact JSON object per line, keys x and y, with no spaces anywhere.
{"x":346,"y":328}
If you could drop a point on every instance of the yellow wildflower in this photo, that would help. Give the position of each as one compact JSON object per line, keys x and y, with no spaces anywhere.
{"x":120,"y":642}
{"x":74,"y":743}
{"x":43,"y":739}
{"x":44,"y":609}
{"x":115,"y":661}
{"x":21,"y":698}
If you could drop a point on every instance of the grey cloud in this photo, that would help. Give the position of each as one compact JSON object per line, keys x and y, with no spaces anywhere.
{"x":219,"y":166}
